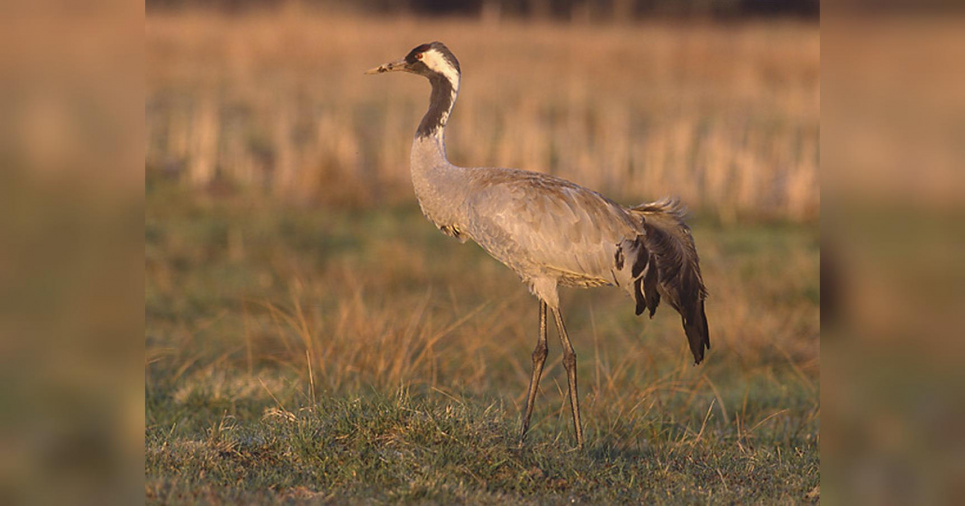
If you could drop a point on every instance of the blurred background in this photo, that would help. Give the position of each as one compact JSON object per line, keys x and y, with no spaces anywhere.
{"x":716,"y":102}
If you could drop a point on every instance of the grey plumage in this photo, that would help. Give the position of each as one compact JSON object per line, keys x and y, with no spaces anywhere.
{"x":550,"y":231}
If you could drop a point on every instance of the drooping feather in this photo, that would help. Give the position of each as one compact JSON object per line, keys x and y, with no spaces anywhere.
{"x":671,"y":246}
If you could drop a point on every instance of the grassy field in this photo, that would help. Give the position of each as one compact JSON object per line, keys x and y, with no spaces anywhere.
{"x":330,"y":354}
{"x":311,"y":338}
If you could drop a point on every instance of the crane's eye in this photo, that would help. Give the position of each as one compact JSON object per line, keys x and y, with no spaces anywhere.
{"x":418,"y":56}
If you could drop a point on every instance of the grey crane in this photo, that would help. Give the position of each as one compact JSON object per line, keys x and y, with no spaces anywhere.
{"x":550,"y":231}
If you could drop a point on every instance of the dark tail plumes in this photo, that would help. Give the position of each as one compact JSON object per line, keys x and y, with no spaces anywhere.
{"x":670,"y":248}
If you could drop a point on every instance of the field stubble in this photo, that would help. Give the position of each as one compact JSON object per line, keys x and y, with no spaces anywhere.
{"x":725,"y":116}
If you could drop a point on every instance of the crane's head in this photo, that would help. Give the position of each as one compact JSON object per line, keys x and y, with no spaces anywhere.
{"x":431,"y":60}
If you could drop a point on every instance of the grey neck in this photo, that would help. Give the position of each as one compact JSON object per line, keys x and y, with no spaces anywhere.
{"x":439,"y":186}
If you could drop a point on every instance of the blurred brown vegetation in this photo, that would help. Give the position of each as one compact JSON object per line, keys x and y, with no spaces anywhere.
{"x":893,"y":146}
{"x":725,"y":116}
{"x":71,"y":260}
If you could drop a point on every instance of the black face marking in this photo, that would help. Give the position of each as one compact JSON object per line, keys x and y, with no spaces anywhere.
{"x":441,"y":48}
{"x":443,"y":85}
{"x":411,"y":57}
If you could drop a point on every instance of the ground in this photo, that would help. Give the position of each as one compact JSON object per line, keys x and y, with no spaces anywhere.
{"x":313,"y":354}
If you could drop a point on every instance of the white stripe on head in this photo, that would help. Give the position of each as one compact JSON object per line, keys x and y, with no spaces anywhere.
{"x":438,"y":63}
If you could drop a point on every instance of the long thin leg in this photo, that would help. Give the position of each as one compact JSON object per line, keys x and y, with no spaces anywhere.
{"x":569,"y":362}
{"x":539,"y":358}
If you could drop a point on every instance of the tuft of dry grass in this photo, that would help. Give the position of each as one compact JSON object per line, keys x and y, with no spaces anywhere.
{"x":726,"y":116}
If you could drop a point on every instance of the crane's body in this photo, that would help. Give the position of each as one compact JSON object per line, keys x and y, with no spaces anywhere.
{"x":550,"y":231}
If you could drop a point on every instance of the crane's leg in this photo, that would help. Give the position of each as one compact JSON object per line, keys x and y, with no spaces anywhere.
{"x":569,"y":362}
{"x":539,"y":358}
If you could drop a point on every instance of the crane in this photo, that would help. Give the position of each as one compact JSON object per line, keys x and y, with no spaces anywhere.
{"x":550,"y":231}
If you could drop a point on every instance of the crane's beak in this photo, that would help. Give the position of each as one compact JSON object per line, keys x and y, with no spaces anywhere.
{"x":389,"y":67}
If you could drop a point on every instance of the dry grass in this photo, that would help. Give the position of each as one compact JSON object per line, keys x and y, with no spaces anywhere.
{"x":724,"y":116}
{"x":360,"y":353}
{"x":379,"y":298}
{"x":306,"y":353}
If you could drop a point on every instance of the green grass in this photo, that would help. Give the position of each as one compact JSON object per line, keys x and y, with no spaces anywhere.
{"x":433,"y":447}
{"x":358,"y":355}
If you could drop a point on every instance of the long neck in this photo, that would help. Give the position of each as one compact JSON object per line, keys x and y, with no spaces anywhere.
{"x":438,"y":184}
